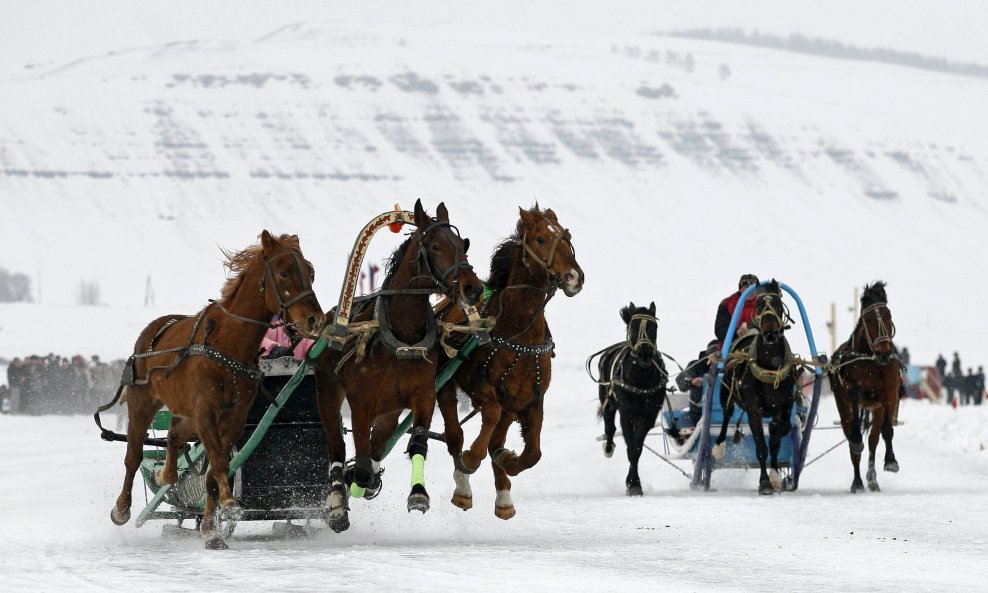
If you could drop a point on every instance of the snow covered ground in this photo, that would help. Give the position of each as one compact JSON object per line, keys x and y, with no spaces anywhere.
{"x":575,"y":530}
{"x":135,"y":140}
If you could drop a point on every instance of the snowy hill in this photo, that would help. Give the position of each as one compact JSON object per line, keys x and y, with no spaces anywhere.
{"x":678,"y":164}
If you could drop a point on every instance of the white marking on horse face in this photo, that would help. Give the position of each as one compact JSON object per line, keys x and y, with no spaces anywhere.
{"x":572,"y":279}
{"x":503,"y":499}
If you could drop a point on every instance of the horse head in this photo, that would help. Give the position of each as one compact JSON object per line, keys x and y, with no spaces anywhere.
{"x":875,"y":328}
{"x":642,"y":331}
{"x":547,"y":245}
{"x":286,"y":283}
{"x":441,"y":257}
{"x":770,"y":313}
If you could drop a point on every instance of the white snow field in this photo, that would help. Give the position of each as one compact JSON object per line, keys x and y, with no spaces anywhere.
{"x":135,"y":141}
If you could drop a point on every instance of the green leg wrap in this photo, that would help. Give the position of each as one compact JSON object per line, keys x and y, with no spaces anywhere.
{"x":356,"y":491}
{"x":418,"y":469}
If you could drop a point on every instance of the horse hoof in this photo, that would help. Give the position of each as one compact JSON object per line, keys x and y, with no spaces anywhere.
{"x":161,"y":479}
{"x":418,"y":502}
{"x":462,"y":501}
{"x":216,"y":543}
{"x":857,"y":487}
{"x":766,"y":489}
{"x":892,"y":466}
{"x":873,"y":486}
{"x":504,"y":512}
{"x":338,"y":522}
{"x":501,"y":456}
{"x":719,"y":450}
{"x":608,"y":450}
{"x":775,"y":480}
{"x":634,"y":490}
{"x":461,"y":465}
{"x":121,"y":517}
{"x":231,"y":512}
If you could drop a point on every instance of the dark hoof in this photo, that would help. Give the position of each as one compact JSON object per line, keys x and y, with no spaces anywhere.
{"x":634,"y":490}
{"x":788,"y":485}
{"x":892,"y":466}
{"x":873,"y":486}
{"x":501,"y":455}
{"x":856,"y":447}
{"x":216,"y":543}
{"x":856,"y":487}
{"x":121,"y":518}
{"x":765,"y":488}
{"x":608,"y":450}
{"x":418,"y":500}
{"x":338,"y":522}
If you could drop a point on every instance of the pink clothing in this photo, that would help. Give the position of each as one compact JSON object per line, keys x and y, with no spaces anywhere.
{"x":277,"y":336}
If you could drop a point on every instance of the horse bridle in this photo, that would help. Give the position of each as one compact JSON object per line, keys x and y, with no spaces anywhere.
{"x":769,"y":310}
{"x":306,"y":291}
{"x":546,"y":264}
{"x":460,"y":263}
{"x":641,"y":338}
{"x":885,"y":331}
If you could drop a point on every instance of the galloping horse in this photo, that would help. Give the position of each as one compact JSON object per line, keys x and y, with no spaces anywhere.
{"x":763,"y":383}
{"x":633,"y":380}
{"x":394,"y":368}
{"x":507,"y":378}
{"x":867,"y":375}
{"x":204,"y":368}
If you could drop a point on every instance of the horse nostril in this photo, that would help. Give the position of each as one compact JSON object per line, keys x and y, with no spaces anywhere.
{"x":312,"y":322}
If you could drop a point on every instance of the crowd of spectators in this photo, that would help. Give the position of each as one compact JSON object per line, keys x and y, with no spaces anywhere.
{"x":55,"y":384}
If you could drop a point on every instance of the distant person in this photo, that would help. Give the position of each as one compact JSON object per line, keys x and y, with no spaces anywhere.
{"x":968,"y":387}
{"x":904,"y":355}
{"x":979,"y":386}
{"x":955,"y":382}
{"x":727,"y":306}
{"x":941,"y":365}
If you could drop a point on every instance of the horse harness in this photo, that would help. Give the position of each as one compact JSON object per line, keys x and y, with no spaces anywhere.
{"x":617,"y":372}
{"x":528,"y":253}
{"x":519,"y":350}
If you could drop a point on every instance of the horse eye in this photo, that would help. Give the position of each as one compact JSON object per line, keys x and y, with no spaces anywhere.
{"x":434,"y":247}
{"x":539,"y":240}
{"x":283,"y":273}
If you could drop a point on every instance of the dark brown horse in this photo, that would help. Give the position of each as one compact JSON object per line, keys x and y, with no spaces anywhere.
{"x":763,"y":384}
{"x":393,"y":367}
{"x":204,"y":369}
{"x":867,"y":375}
{"x":507,"y":379}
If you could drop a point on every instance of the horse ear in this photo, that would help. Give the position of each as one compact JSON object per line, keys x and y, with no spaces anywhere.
{"x":441,"y":212}
{"x":421,"y":218}
{"x":551,"y":215}
{"x":626,"y":313}
{"x":525,"y":215}
{"x":651,"y":309}
{"x":267,"y":241}
{"x":466,"y":245}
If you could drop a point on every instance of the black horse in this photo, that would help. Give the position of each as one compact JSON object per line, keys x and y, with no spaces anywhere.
{"x":760,"y":377}
{"x":632,"y":380}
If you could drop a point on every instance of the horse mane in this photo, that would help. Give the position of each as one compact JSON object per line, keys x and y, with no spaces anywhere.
{"x":397,"y":256}
{"x":504,"y":254}
{"x":237,"y":263}
{"x":874,"y":293}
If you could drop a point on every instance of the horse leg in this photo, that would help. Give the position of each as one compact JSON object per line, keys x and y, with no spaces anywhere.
{"x":761,"y":450}
{"x":490,"y":413}
{"x":608,"y":411}
{"x":629,"y":426}
{"x":891,"y":465}
{"x":180,"y":431}
{"x":453,"y":433}
{"x":878,"y":419}
{"x":140,"y":412}
{"x":365,"y":475}
{"x":329,"y":401}
{"x":778,"y":428}
{"x":218,"y":494}
{"x":504,"y":507}
{"x":720,"y":445}
{"x":530,"y":421}
{"x":852,"y":431}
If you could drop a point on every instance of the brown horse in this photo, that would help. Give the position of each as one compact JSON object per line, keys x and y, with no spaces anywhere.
{"x":394,"y":368}
{"x":203,"y":368}
{"x":507,"y":378}
{"x":867,"y":375}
